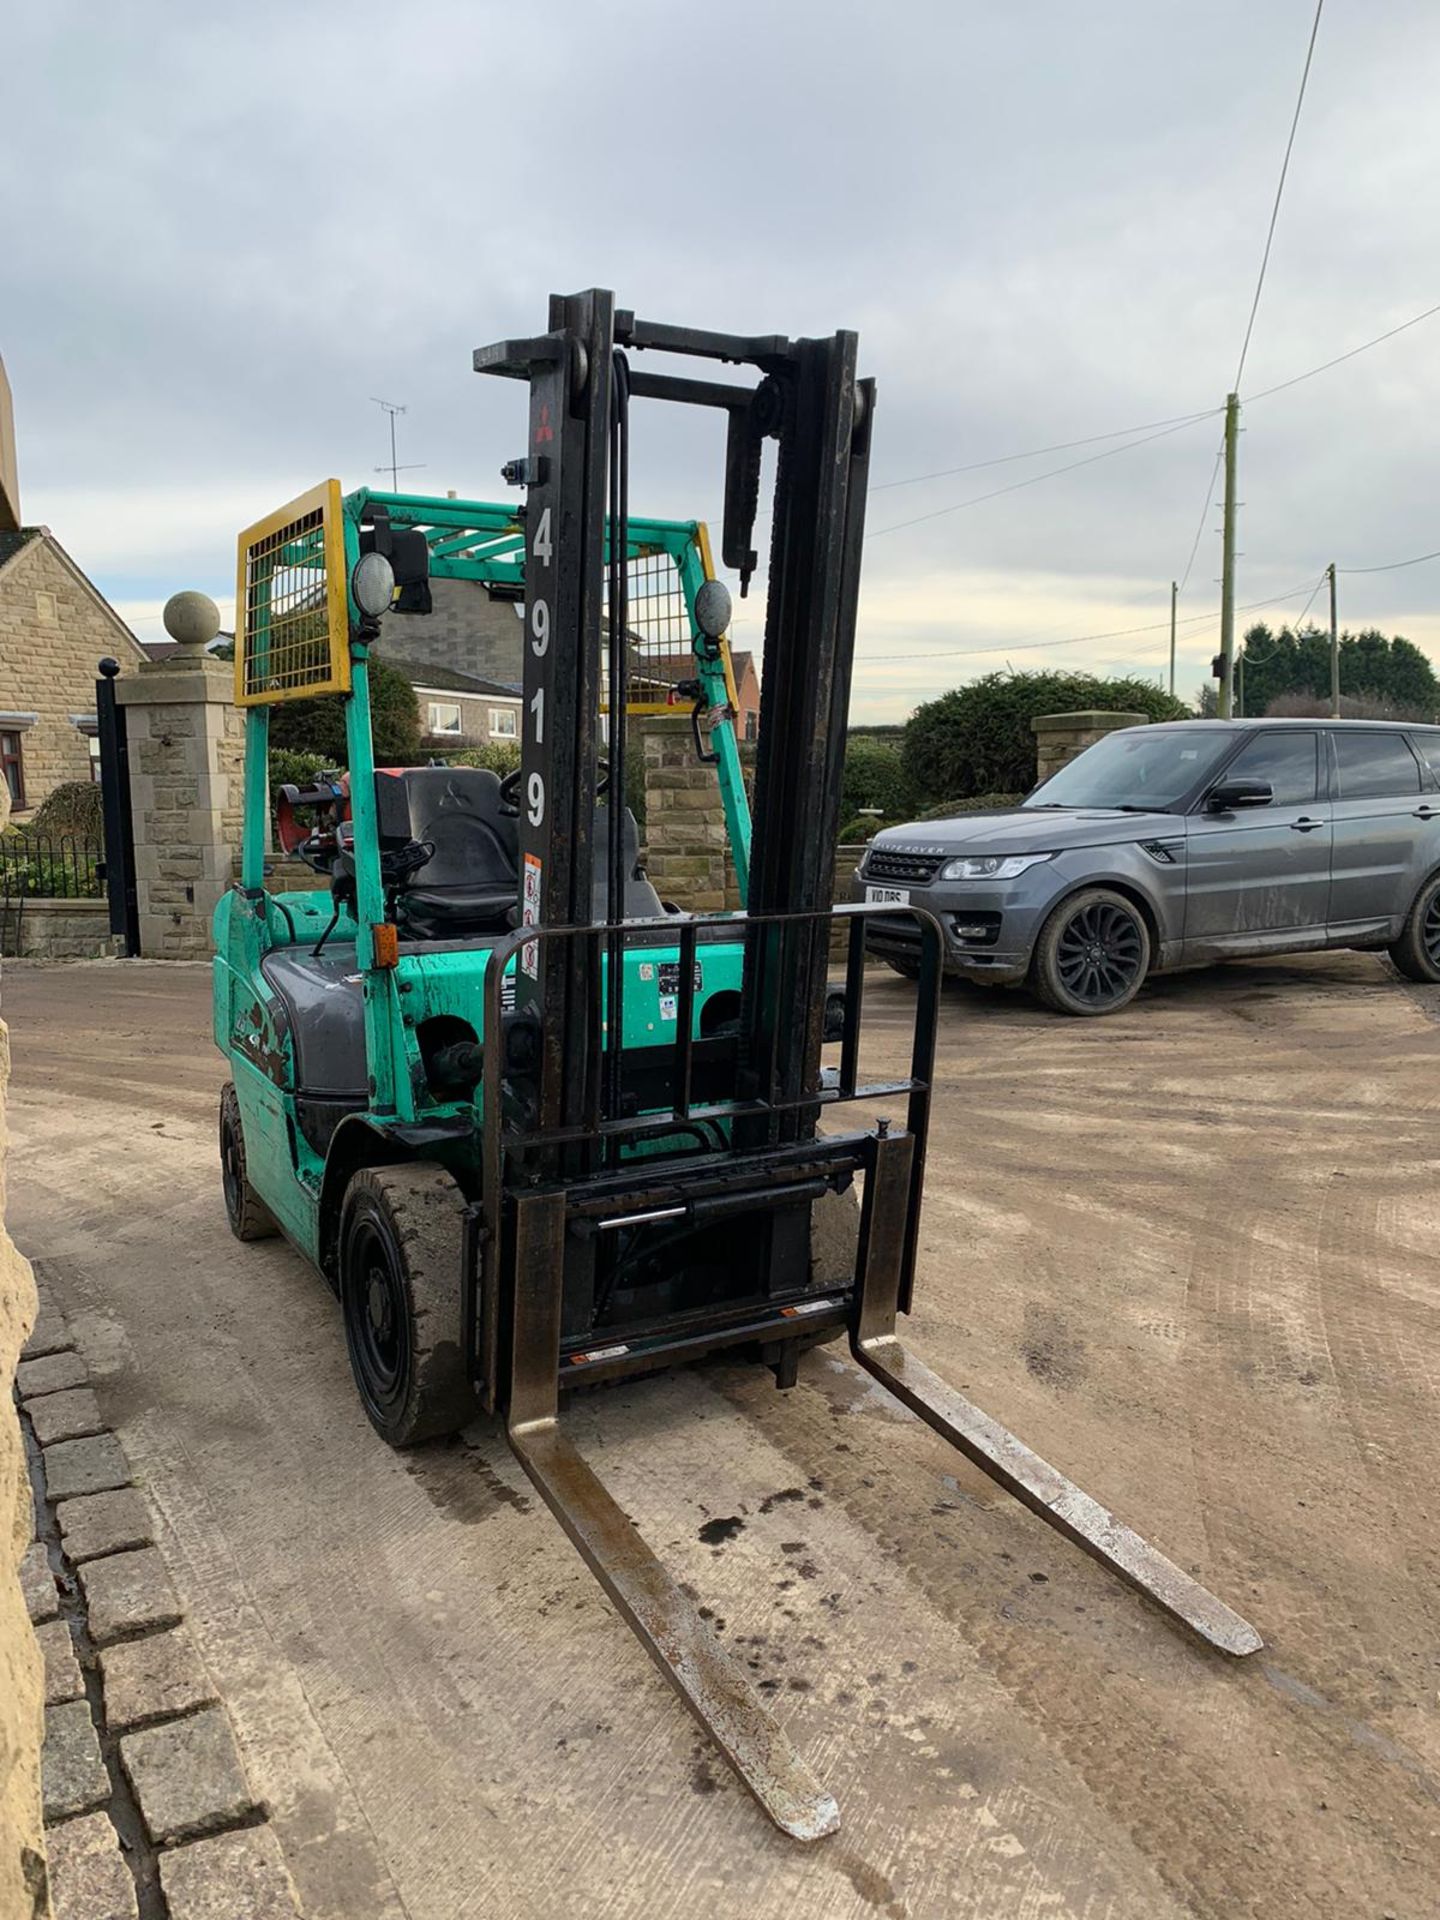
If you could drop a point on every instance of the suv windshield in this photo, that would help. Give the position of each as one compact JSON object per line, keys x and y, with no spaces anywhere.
{"x":1136,"y":767}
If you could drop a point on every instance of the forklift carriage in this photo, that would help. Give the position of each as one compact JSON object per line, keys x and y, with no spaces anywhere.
{"x":538,"y":1130}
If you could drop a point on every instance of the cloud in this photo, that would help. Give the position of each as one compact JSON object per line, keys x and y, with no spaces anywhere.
{"x":225,"y":234}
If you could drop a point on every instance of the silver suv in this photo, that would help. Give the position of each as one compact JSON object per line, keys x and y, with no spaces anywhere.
{"x":1175,"y":846}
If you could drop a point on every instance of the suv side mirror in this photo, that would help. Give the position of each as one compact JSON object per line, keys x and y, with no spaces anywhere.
{"x":1231,"y":794}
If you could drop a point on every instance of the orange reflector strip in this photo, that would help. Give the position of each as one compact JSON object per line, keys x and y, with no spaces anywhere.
{"x":386,"y":939}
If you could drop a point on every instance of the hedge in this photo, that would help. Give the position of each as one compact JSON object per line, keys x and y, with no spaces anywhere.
{"x":977,"y":739}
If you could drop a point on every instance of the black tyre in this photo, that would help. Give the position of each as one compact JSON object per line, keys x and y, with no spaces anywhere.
{"x":909,"y":968}
{"x":1092,"y":955}
{"x":249,"y":1217}
{"x":1417,"y":952}
{"x":400,"y":1240}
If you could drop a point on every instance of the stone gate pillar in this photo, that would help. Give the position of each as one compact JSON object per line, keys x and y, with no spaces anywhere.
{"x":187,"y":756}
{"x":685,"y":833}
{"x":1060,"y":737}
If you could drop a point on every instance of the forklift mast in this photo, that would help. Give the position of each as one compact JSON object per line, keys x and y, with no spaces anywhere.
{"x":808,"y":399}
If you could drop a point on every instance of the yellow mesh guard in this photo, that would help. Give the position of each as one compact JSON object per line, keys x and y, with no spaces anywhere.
{"x":707,"y":562}
{"x":292,"y":635}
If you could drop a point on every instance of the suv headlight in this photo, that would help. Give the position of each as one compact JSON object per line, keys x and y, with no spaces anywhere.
{"x":992,"y":866}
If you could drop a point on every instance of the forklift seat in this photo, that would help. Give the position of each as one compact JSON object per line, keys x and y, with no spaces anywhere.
{"x":471,"y":881}
{"x":641,"y":900}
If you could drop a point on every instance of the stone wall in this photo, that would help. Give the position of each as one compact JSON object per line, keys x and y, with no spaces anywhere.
{"x":187,"y":790}
{"x":1060,"y":737}
{"x":684,"y":820}
{"x":57,"y":930}
{"x":54,"y":628}
{"x":22,"y":1857}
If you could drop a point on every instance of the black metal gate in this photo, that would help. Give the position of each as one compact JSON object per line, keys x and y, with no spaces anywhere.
{"x":115,"y":798}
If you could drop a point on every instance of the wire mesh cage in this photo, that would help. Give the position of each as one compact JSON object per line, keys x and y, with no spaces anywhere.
{"x":659,"y":633}
{"x":291,"y":618}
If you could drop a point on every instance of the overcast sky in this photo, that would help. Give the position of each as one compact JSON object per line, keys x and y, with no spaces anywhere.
{"x":219,"y":239}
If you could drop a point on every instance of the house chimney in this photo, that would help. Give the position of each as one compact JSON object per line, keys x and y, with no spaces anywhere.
{"x":9,"y":472}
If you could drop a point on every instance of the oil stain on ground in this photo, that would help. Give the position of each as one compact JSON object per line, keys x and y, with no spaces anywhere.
{"x":461,"y":1483}
{"x":715,"y":1533}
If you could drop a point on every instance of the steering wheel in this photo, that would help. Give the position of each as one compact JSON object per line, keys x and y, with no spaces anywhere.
{"x":510,"y":786}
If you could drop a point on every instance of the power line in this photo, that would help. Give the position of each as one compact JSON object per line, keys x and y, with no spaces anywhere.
{"x":1175,"y":420}
{"x":1296,"y":625}
{"x":1279,"y":190}
{"x":1077,"y":639}
{"x":1206,"y":505}
{"x":1162,"y":427}
{"x":1325,"y":366}
{"x":1060,"y":446}
{"x":958,"y":506}
{"x":1259,"y":288}
{"x":1394,"y":565}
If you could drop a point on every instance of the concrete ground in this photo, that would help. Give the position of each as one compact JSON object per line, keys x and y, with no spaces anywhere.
{"x":1188,"y":1253}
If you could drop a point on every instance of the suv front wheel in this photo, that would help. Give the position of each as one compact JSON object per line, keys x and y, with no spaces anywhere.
{"x":1092,"y":955}
{"x":1417,"y":952}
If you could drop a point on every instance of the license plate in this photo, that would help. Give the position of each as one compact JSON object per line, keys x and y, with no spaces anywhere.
{"x":887,"y":896}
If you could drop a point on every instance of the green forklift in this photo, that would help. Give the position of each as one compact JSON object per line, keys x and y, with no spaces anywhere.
{"x":538,"y":1130}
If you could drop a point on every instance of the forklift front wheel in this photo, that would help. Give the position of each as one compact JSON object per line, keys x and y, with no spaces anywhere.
{"x":249,"y":1217}
{"x":400,"y":1260}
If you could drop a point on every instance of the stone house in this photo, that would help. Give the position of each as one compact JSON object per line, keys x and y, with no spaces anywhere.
{"x":462,"y":709}
{"x":471,"y":629}
{"x":663,"y":670}
{"x":54,"y":627}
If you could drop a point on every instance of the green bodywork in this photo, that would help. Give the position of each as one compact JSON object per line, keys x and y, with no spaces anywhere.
{"x":468,"y":541}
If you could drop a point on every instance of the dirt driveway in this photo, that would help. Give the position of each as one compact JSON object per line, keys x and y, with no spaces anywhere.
{"x":1188,"y":1253}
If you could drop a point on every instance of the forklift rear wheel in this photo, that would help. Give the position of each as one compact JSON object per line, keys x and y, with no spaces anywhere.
{"x":249,"y":1217}
{"x":400,"y":1257}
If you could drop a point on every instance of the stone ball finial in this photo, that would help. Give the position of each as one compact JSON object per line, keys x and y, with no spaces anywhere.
{"x":192,"y":619}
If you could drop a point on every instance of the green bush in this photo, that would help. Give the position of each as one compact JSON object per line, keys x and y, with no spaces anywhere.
{"x":500,"y":756}
{"x":74,"y":807}
{"x":318,"y":726}
{"x":874,"y":777}
{"x":977,"y":739}
{"x":289,"y":766}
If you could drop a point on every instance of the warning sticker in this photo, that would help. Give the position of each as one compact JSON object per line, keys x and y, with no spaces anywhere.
{"x":670,"y":976}
{"x":807,"y":1306}
{"x":669,"y":1007}
{"x":597,"y":1353}
{"x":530,"y":896}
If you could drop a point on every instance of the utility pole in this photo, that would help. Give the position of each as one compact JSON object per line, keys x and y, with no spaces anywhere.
{"x":1334,"y":650}
{"x":1227,"y":564}
{"x":1174,"y":596}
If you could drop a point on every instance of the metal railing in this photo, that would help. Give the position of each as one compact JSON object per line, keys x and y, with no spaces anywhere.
{"x":51,"y":866}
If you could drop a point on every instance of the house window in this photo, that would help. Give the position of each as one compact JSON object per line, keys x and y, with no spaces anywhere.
{"x":445,"y":716}
{"x":751,"y":726}
{"x":502,"y":723}
{"x":14,"y":765}
{"x":93,"y":742}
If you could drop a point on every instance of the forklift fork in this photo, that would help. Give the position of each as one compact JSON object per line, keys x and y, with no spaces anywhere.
{"x":991,"y":1447}
{"x":662,"y":1619}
